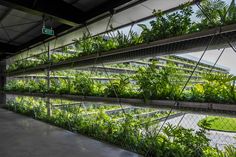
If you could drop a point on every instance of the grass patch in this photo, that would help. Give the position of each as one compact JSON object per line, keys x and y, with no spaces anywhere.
{"x":218,"y":123}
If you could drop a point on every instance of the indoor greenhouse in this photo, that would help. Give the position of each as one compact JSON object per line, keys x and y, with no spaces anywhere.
{"x":124,"y":78}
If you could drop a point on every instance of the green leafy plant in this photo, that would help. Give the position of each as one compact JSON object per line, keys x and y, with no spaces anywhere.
{"x":119,"y":87}
{"x":169,"y":25}
{"x":210,"y":12}
{"x":219,"y":88}
{"x":83,"y":84}
{"x":161,"y":84}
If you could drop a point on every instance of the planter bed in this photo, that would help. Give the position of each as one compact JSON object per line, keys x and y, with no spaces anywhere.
{"x":146,"y":116}
{"x":110,"y":112}
{"x":134,"y":112}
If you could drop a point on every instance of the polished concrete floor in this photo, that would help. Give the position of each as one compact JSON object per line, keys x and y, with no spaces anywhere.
{"x":21,"y":136}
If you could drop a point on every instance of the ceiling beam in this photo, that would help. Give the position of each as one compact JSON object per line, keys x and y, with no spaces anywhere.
{"x":57,"y":9}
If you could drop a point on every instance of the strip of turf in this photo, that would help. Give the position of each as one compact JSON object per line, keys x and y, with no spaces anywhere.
{"x":218,"y":123}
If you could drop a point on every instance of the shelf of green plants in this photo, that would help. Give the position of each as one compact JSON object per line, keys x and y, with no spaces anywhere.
{"x":192,"y":65}
{"x":186,"y":43}
{"x":184,"y":69}
{"x":116,"y":113}
{"x":137,"y":102}
{"x":150,"y":84}
{"x":95,"y":78}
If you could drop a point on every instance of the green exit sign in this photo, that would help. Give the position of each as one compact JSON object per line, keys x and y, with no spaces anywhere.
{"x":47,"y":31}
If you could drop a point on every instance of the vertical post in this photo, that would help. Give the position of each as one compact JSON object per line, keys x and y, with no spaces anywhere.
{"x":48,"y":103}
{"x":2,"y":83}
{"x":233,"y":89}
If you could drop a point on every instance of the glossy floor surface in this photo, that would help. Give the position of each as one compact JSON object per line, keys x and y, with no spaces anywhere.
{"x":22,"y":136}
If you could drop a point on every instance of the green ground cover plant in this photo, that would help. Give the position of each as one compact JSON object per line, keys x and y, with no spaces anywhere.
{"x":218,"y":123}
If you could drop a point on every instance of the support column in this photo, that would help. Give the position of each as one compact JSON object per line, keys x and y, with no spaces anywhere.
{"x":2,"y":83}
{"x":48,"y":103}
